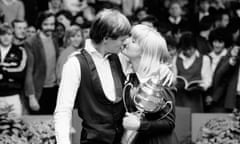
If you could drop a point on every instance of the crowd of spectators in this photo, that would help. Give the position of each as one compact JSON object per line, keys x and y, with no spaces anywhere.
{"x":36,"y":37}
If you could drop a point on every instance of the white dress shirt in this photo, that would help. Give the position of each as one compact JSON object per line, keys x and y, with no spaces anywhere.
{"x":71,"y":78}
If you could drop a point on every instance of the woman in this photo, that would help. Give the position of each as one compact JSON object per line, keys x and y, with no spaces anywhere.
{"x":72,"y":40}
{"x":147,"y":51}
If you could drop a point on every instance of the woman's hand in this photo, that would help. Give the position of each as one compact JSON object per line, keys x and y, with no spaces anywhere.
{"x":131,"y":121}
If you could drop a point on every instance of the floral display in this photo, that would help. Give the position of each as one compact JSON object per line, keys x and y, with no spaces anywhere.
{"x":15,"y":130}
{"x":221,"y":130}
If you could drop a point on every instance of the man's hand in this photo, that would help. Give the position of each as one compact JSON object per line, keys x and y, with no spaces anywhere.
{"x":131,"y":121}
{"x":33,"y":103}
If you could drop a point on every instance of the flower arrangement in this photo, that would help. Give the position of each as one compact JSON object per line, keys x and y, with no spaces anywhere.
{"x":221,"y":130}
{"x":15,"y":130}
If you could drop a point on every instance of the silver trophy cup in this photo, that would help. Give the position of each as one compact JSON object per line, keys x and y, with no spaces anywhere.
{"x":148,"y":98}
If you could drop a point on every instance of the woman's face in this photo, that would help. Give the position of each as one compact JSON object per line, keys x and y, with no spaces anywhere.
{"x":76,"y":40}
{"x":132,"y":49}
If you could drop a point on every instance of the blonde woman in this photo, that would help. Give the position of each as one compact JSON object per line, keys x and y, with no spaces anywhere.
{"x":147,"y":51}
{"x":73,"y":40}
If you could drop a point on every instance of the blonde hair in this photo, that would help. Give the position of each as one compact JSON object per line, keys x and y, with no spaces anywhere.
{"x":154,"y":49}
{"x":71,"y":32}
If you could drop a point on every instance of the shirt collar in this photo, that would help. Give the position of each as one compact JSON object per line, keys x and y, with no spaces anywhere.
{"x":91,"y":49}
{"x":175,"y":20}
{"x":223,"y":53}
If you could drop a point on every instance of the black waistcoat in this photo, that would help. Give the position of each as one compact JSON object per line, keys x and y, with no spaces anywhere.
{"x":102,"y":118}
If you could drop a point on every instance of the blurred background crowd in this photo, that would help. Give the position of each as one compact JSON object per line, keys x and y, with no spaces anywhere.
{"x":37,"y":36}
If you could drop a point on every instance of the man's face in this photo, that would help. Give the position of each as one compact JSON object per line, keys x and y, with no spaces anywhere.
{"x":6,"y":39}
{"x":20,"y":30}
{"x":48,"y":26}
{"x":114,"y":45}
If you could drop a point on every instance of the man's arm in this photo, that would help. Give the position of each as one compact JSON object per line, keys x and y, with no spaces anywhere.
{"x":71,"y":77}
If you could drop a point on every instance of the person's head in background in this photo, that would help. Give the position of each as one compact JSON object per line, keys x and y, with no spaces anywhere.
{"x":206,"y":26}
{"x":109,"y":30}
{"x":172,"y":45}
{"x":55,"y":6}
{"x":65,"y":17}
{"x":151,"y":21}
{"x":59,"y":33}
{"x":175,"y":9}
{"x":222,"y":19}
{"x":147,"y":49}
{"x":74,"y":38}
{"x":219,"y":41}
{"x":19,"y":31}
{"x":140,"y":13}
{"x":86,"y":29}
{"x":46,"y":23}
{"x":31,"y":31}
{"x":6,"y":35}
{"x":204,"y":6}
{"x":187,"y":44}
{"x":79,"y":18}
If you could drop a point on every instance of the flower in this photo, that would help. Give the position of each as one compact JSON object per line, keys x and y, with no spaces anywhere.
{"x":14,"y":130}
{"x":221,"y":130}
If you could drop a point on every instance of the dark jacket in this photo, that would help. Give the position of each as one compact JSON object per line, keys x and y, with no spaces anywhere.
{"x":12,"y":71}
{"x":102,"y":118}
{"x":36,"y":68}
{"x":225,"y":81}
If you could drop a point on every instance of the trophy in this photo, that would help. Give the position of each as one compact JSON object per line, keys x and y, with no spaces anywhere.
{"x":148,"y":98}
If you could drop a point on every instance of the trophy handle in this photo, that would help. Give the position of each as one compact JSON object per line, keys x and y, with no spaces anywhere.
{"x":171,"y":107}
{"x":124,"y":96}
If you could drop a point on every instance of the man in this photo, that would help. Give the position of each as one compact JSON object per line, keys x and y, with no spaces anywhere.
{"x":12,"y":70}
{"x":19,"y":31}
{"x":41,"y":86}
{"x":93,"y":80}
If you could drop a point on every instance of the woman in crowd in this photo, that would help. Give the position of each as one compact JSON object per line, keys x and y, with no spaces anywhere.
{"x":147,"y":51}
{"x":73,"y":40}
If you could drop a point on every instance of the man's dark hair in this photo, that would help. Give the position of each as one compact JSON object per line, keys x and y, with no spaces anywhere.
{"x":187,"y":41}
{"x":43,"y":16}
{"x":17,"y":21}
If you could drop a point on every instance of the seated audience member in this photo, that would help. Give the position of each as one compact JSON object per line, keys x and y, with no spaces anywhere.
{"x":192,"y":66}
{"x":12,"y":70}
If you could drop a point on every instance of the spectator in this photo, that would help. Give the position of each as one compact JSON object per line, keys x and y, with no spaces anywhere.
{"x":226,"y":82}
{"x":65,"y":17}
{"x":191,"y":65}
{"x":12,"y":70}
{"x":12,"y":9}
{"x":55,"y":6}
{"x":41,"y":86}
{"x":31,"y":31}
{"x":59,"y":34}
{"x":73,"y":40}
{"x":19,"y":31}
